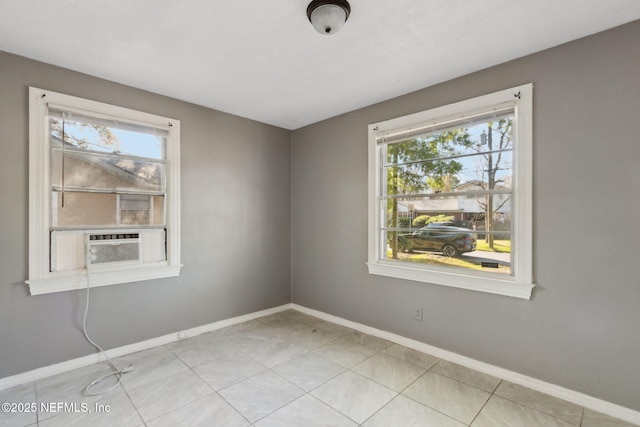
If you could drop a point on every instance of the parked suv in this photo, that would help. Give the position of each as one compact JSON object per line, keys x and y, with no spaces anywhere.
{"x":451,"y":241}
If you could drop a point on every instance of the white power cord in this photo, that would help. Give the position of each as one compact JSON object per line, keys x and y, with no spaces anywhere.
{"x":117,"y":372}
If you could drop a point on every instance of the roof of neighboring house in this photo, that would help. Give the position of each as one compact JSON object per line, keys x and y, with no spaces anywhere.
{"x":138,"y":173}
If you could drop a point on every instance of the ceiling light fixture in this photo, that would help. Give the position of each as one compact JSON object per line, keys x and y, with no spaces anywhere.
{"x":328,"y":16}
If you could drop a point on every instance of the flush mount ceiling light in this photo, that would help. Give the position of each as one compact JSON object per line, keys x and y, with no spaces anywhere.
{"x":328,"y":16}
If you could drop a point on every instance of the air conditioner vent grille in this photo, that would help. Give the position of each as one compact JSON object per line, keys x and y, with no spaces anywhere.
{"x":114,"y":236}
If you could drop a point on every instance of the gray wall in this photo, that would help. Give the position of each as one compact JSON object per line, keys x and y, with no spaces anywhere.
{"x":235,"y":228}
{"x":580,"y":330}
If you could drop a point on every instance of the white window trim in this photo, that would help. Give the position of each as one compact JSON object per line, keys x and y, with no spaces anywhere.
{"x":41,"y":280}
{"x":520,"y":284}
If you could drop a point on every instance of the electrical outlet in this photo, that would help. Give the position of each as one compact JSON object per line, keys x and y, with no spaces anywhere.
{"x":417,"y":314}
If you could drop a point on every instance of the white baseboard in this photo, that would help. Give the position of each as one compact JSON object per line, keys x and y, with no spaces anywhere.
{"x":59,"y":368}
{"x":578,"y":398}
{"x":572,"y":396}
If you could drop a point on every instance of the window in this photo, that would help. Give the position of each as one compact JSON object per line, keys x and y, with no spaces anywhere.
{"x":104,"y":187}
{"x":450,"y":195}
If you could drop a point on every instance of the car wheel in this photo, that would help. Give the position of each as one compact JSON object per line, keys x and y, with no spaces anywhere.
{"x":449,"y":251}
{"x":403,"y":248}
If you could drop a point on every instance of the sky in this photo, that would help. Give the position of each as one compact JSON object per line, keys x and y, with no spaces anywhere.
{"x":140,"y":144}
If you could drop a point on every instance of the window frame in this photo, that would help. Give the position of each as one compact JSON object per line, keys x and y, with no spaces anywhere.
{"x":41,"y":280}
{"x":520,"y":284}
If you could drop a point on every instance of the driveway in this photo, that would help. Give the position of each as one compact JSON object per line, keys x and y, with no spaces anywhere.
{"x":478,"y":256}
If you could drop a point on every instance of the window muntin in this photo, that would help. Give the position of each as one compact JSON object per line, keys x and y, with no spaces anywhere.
{"x":466,"y":166}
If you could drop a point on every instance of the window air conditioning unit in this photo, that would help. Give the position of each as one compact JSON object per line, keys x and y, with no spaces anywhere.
{"x":73,"y":250}
{"x":112,"y":248}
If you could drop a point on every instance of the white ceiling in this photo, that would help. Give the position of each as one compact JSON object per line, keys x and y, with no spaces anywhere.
{"x":263,"y":60}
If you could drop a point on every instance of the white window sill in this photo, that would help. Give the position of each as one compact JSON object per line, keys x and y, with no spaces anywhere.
{"x":490,"y":285}
{"x":69,"y":281}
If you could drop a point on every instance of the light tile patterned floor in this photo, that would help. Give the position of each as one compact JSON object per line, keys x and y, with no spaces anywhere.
{"x":291,"y":370}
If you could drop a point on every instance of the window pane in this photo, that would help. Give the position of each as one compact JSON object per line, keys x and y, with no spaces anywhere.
{"x":83,"y":209}
{"x":95,"y":171}
{"x":93,"y":134}
{"x":446,"y":249}
{"x":100,"y":209}
{"x":455,"y":231}
{"x":464,"y":210}
{"x":141,"y":209}
{"x":477,"y":158}
{"x":467,"y":174}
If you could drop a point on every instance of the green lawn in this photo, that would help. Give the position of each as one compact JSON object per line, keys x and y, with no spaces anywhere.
{"x":437,"y":259}
{"x":502,"y":246}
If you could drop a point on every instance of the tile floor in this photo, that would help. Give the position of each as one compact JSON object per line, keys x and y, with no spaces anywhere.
{"x":291,"y":369}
